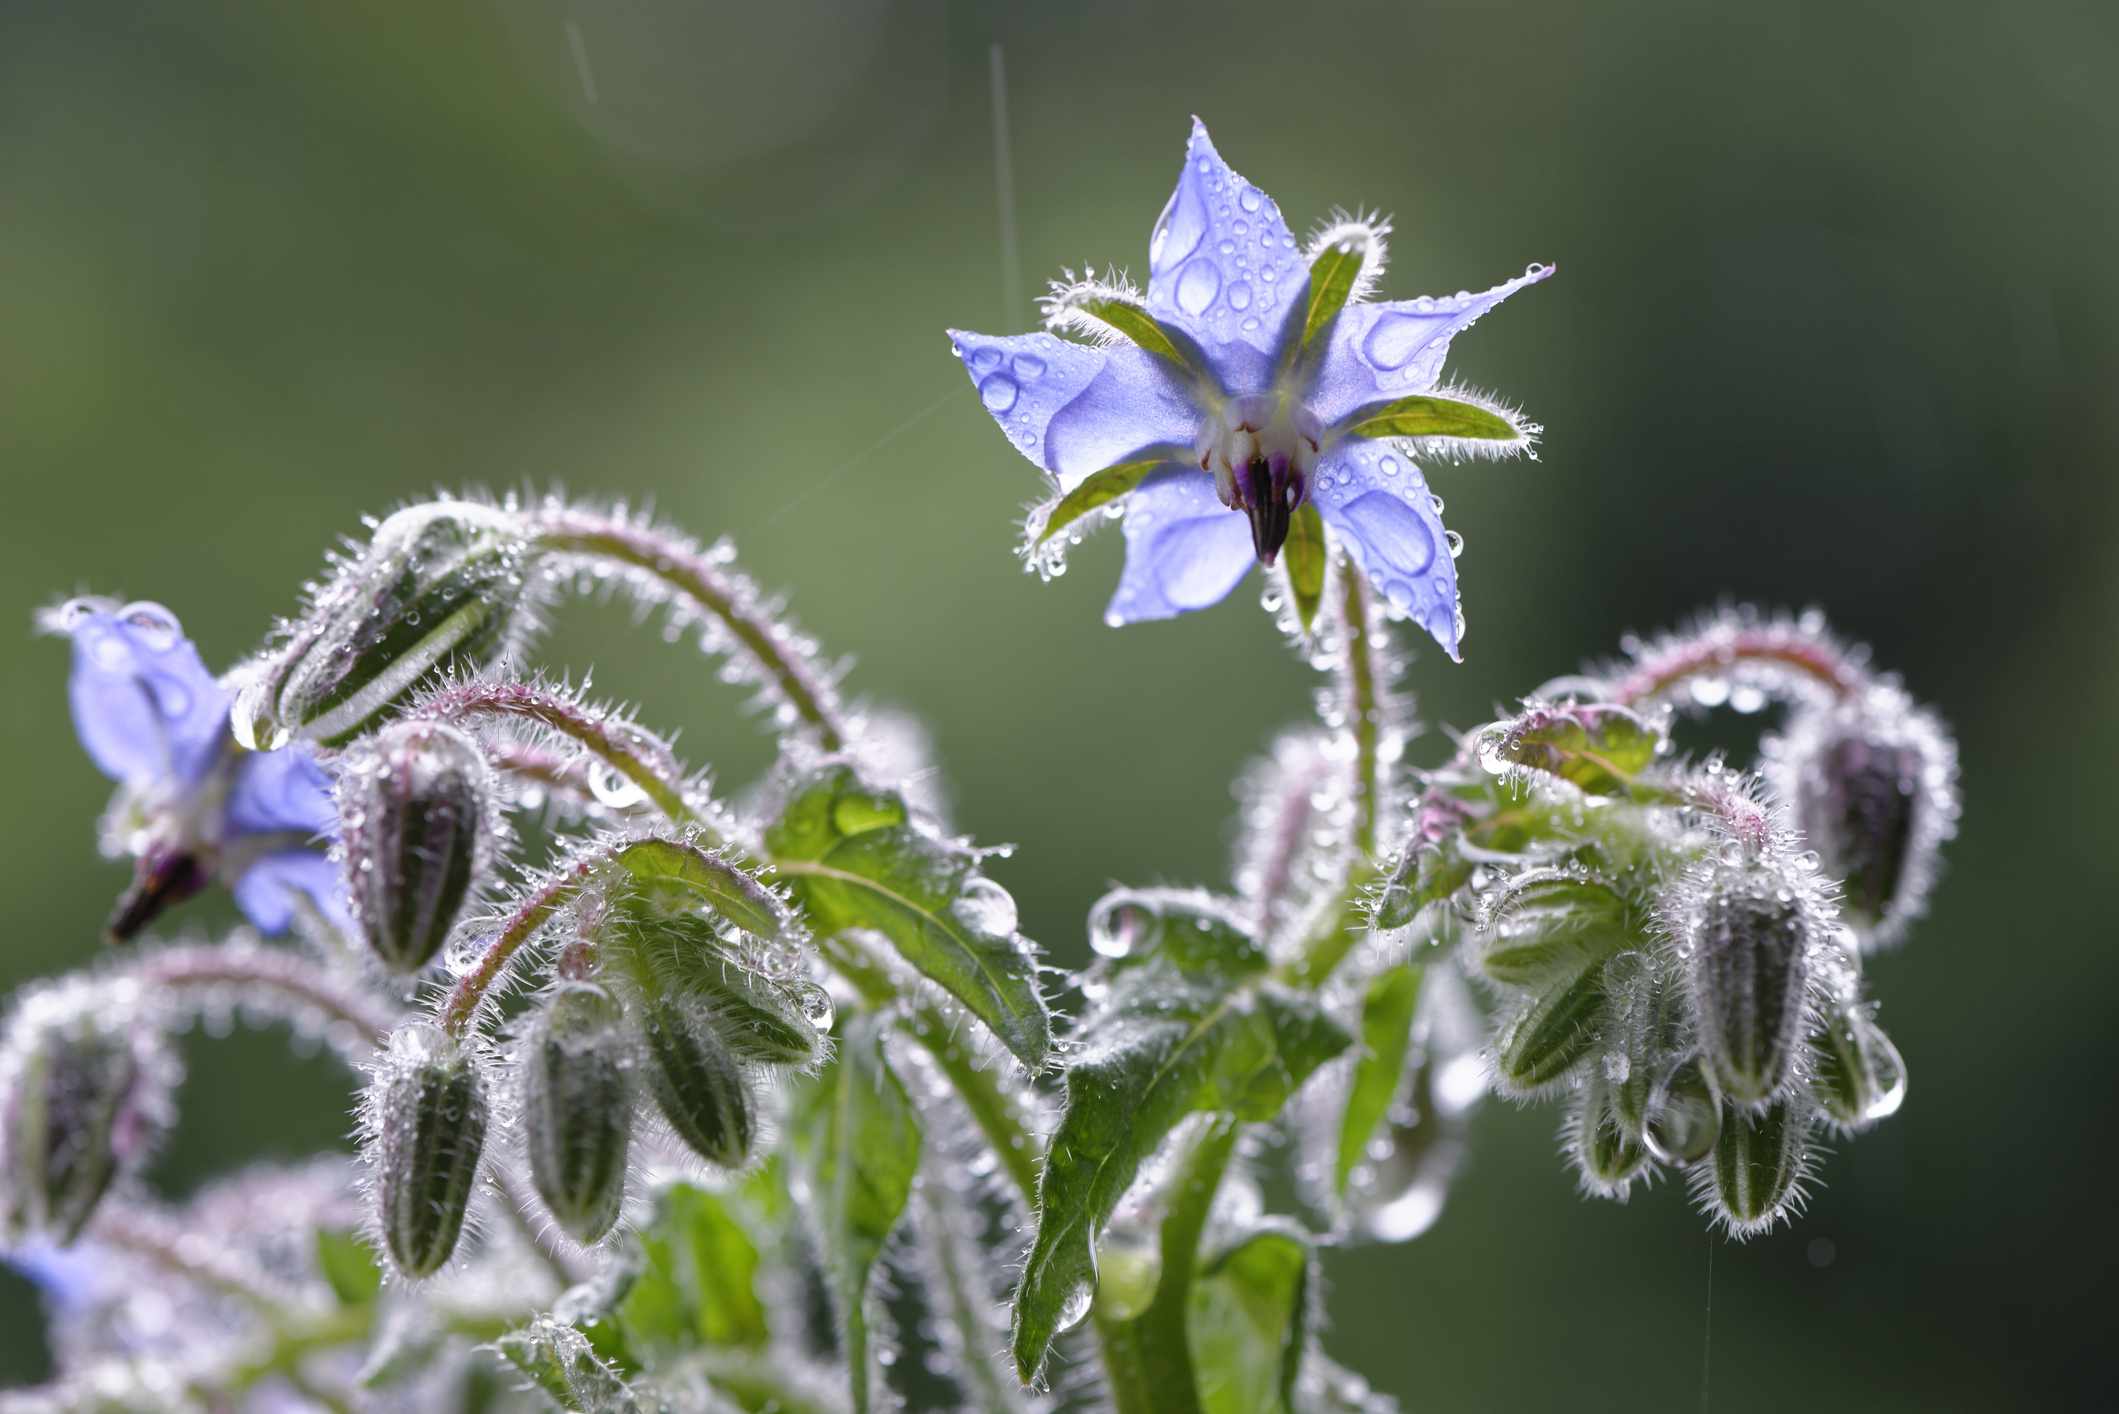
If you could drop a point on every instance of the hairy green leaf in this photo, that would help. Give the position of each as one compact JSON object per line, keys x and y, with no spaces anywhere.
{"x":1600,"y":749}
{"x":1426,"y":415}
{"x":679,"y":875}
{"x":1250,"y":1323}
{"x":1101,"y":488}
{"x":1333,"y":275}
{"x":856,"y":859}
{"x":1304,"y":555}
{"x":1386,"y":1038}
{"x":1184,"y":1025}
{"x":858,"y":1136}
{"x":698,"y":1280}
{"x":349,"y":1265}
{"x":1134,"y":321}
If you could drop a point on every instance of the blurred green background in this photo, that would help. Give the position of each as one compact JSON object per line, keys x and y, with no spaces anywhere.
{"x":1835,"y":323}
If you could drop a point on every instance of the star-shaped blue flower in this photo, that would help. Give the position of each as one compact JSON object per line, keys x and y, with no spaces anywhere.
{"x":192,"y":806}
{"x":1250,"y":393}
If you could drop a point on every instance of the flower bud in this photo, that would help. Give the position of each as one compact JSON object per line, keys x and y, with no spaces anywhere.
{"x":85,"y":1087}
{"x":1540,"y":1045}
{"x":1872,"y":785}
{"x":426,"y":1122}
{"x":1859,"y":1077}
{"x":1745,"y":927}
{"x":697,"y":1083}
{"x":416,"y":807}
{"x":1644,"y":1036}
{"x":575,"y":1067}
{"x":1760,"y":1163}
{"x":437,"y":589}
{"x":1548,"y":924}
{"x":1606,"y":1157}
{"x":1683,"y":1118}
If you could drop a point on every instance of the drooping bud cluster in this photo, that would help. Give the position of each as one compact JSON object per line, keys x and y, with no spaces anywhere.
{"x":440,"y":586}
{"x":1871,"y":783}
{"x":418,"y":817}
{"x":85,"y":1095}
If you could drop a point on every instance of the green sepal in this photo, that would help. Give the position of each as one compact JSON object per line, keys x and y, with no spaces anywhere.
{"x":348,"y":1265}
{"x":1426,"y":415}
{"x":1142,"y":328}
{"x":1183,"y":1026}
{"x":1250,"y":1323}
{"x":1387,"y":1013}
{"x":677,"y":876}
{"x":1334,"y":274}
{"x":1098,"y":489}
{"x":855,"y":858}
{"x":1601,"y":750}
{"x":1607,"y":1157}
{"x":858,"y":1136}
{"x":1305,"y":556}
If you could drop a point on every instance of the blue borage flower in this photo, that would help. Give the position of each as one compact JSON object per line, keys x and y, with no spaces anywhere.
{"x":192,"y":806}
{"x":1250,"y":393}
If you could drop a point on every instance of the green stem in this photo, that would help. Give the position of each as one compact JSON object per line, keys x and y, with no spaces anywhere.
{"x":1149,"y":1358}
{"x":460,"y":1008}
{"x":681,"y":569}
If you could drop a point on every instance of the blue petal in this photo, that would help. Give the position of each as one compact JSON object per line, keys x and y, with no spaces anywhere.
{"x":270,"y":889}
{"x":1222,"y":264}
{"x":1185,"y":550}
{"x":147,"y":711}
{"x":282,"y":791}
{"x":1374,"y":498}
{"x":1395,"y":349}
{"x":1073,"y":409}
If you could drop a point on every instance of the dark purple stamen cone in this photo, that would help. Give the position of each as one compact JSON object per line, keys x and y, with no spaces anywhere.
{"x":1269,"y":496}
{"x":162,"y":881}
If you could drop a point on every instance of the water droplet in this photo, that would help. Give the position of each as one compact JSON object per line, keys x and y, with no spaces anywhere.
{"x":1396,"y":339}
{"x":1197,"y":285}
{"x":1388,"y":466}
{"x":153,"y":627}
{"x":1028,"y":367}
{"x":998,"y":392}
{"x":985,"y":359}
{"x":986,"y":908}
{"x":816,"y":1005}
{"x":613,"y":789}
{"x":1455,"y":543}
{"x":1250,"y":200}
{"x":1115,"y":931}
{"x":1240,"y":295}
{"x":1074,"y":1307}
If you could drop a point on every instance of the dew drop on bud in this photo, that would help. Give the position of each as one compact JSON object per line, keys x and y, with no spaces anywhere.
{"x":1121,"y":925}
{"x":1074,"y":1307}
{"x":816,"y":1005}
{"x":1129,"y":1268}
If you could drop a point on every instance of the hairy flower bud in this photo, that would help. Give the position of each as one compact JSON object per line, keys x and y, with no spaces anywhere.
{"x":1543,"y":1041}
{"x":1606,"y":1157}
{"x":1858,"y":1077}
{"x":1760,"y":1163}
{"x":1745,"y":926}
{"x":426,"y":1122}
{"x":85,"y":1087}
{"x":575,"y":1067}
{"x":697,"y":1083}
{"x":1644,"y":1035}
{"x":438,"y":587}
{"x":1872,"y":785}
{"x":416,"y":806}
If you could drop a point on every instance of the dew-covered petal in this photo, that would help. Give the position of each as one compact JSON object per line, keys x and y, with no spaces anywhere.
{"x":1222,"y":264}
{"x":1374,"y":499}
{"x":284,"y":791}
{"x":1074,"y":409}
{"x":271,"y":889}
{"x":1184,"y":549}
{"x":1392,"y":349}
{"x":145,"y":708}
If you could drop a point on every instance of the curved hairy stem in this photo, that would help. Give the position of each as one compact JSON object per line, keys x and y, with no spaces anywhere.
{"x":1788,"y":653}
{"x":460,"y":1008}
{"x":706,"y":585}
{"x":285,"y":984}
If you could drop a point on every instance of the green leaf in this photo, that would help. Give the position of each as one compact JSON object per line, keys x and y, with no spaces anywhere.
{"x":1250,"y":1323}
{"x":561,"y":1363}
{"x":1304,"y":556}
{"x":1598,"y":748}
{"x":1185,"y":1025}
{"x":680,"y":875}
{"x":858,"y":1136}
{"x":698,"y":1281}
{"x":1427,"y":415}
{"x":1386,"y":1039}
{"x":1135,"y":323}
{"x":1333,"y":275}
{"x":1100,"y":489}
{"x":855,"y":859}
{"x":348,"y":1264}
